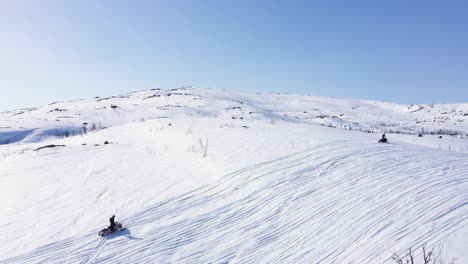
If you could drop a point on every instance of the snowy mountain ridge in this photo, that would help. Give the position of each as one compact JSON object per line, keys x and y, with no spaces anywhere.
{"x":33,"y":124}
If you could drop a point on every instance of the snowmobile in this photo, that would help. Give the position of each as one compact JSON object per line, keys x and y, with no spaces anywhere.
{"x":383,"y":140}
{"x":107,"y":231}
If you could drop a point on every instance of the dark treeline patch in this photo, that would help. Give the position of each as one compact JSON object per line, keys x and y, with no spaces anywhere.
{"x":49,"y":146}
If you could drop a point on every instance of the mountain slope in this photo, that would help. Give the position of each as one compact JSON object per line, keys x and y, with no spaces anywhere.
{"x":205,"y":186}
{"x":331,"y":196}
{"x":36,"y":124}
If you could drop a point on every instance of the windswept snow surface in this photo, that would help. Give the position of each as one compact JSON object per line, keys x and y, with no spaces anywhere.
{"x":207,"y":188}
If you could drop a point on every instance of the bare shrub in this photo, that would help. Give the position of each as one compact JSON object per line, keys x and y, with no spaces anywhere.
{"x":429,"y":256}
{"x":202,"y":147}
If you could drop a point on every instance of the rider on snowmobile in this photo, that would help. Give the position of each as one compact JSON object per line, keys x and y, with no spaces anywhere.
{"x":112,"y":223}
{"x":383,"y":139}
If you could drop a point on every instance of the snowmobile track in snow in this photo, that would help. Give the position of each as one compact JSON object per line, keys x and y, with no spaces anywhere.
{"x":295,"y":209}
{"x":94,"y":254}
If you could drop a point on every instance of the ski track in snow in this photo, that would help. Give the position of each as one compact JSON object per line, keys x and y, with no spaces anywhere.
{"x":345,"y":202}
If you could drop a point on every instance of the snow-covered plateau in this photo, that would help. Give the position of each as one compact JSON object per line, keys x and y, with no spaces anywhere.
{"x":213,"y":176}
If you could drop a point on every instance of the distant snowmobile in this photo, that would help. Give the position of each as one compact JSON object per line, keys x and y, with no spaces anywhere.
{"x":114,"y":227}
{"x":383,"y":139}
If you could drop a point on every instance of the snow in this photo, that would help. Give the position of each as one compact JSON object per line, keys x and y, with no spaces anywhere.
{"x":369,"y":116}
{"x":271,"y":188}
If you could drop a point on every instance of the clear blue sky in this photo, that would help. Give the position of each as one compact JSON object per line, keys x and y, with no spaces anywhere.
{"x":402,"y":51}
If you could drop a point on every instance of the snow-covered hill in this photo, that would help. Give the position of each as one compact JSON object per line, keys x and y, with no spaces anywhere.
{"x":34,"y":124}
{"x":208,"y":176}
